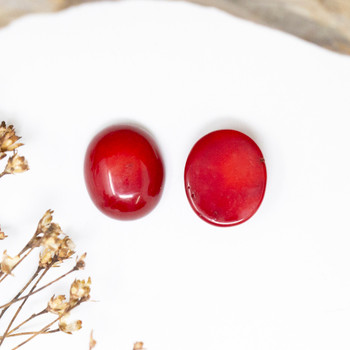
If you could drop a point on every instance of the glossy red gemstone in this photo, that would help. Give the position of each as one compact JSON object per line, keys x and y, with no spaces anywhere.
{"x":124,"y":172}
{"x":225,"y":177}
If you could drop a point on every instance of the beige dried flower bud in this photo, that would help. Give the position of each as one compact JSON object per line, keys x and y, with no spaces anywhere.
{"x":80,"y":290}
{"x":16,"y":165}
{"x":66,"y":327}
{"x":138,"y":346}
{"x":46,"y":257}
{"x":52,"y":229}
{"x":45,"y":221}
{"x":80,"y":264}
{"x":56,"y":249}
{"x":58,"y":305}
{"x":8,"y":263}
{"x":66,"y":248}
{"x":2,"y":235}
{"x":51,"y":242}
{"x":10,"y":145}
{"x":8,"y":138}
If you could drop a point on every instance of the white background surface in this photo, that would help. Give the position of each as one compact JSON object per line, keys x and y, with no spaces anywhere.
{"x":279,"y":281}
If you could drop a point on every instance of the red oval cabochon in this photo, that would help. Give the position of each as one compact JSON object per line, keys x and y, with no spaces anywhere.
{"x":124,"y":172}
{"x":225,"y":177}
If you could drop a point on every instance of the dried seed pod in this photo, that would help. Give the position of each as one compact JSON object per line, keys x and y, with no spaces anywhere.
{"x":58,"y":305}
{"x":68,"y":327}
{"x":80,"y":290}
{"x":16,"y":165}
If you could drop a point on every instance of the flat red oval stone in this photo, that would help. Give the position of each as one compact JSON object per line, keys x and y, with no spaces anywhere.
{"x":225,"y":177}
{"x":124,"y":172}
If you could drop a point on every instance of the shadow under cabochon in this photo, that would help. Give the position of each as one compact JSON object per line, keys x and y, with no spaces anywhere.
{"x":225,"y":177}
{"x":124,"y":172}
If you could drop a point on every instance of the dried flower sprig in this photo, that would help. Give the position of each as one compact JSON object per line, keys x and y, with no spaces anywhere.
{"x":55,"y":248}
{"x":15,"y":164}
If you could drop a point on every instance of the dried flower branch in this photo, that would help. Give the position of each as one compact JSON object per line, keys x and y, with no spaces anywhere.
{"x":15,"y":164}
{"x":80,"y":264}
{"x":54,"y":249}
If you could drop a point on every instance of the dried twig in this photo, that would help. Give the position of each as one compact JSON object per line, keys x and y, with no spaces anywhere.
{"x":27,"y":320}
{"x":31,"y":333}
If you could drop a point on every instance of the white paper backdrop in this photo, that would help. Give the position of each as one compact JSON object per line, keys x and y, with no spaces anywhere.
{"x":280,"y":280}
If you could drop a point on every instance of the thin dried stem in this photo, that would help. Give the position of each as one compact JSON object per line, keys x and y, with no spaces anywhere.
{"x":3,"y":173}
{"x":21,"y":306}
{"x":23,"y":289}
{"x":27,"y":320}
{"x":30,"y":333}
{"x":35,"y":334}
{"x":28,"y":245}
{"x":39,"y":289}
